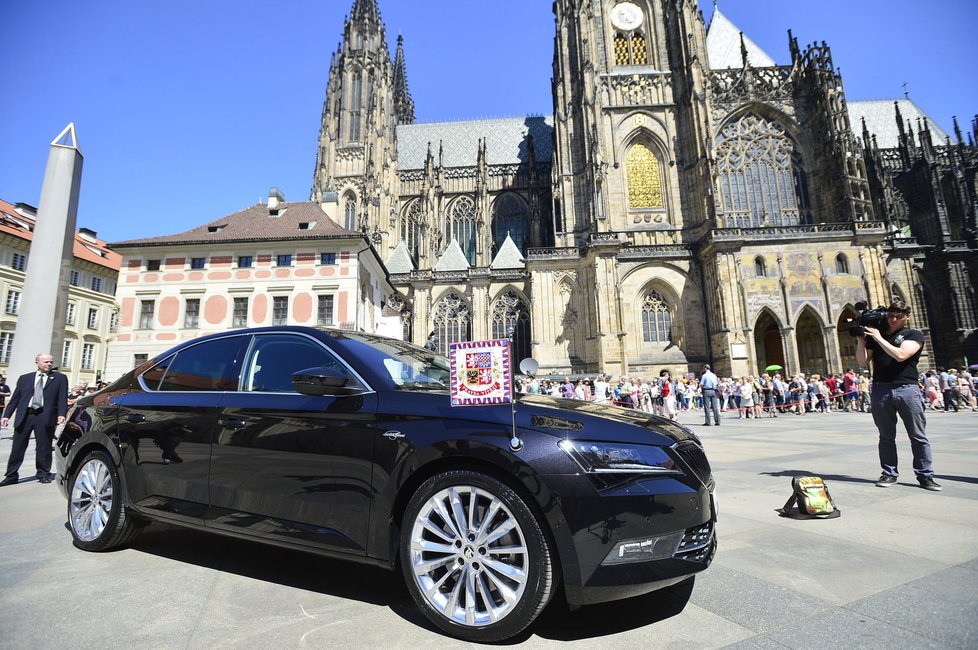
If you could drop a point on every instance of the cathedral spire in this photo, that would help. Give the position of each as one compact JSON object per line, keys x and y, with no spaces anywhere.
{"x":403,"y":104}
{"x":365,"y":10}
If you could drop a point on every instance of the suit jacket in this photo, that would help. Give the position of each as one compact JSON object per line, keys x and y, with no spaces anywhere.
{"x":55,"y":398}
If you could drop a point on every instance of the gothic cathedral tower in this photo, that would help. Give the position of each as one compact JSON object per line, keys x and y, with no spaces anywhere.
{"x":366,"y":98}
{"x":632,"y":178}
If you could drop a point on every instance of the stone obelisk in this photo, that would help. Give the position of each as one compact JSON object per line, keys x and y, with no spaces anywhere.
{"x":43,"y":303}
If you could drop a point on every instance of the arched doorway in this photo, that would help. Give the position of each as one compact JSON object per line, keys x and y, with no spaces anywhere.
{"x":767,"y":342}
{"x":847,"y":344}
{"x":811,"y":344}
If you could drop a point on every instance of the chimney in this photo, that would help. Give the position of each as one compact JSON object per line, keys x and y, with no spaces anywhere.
{"x":88,"y":235}
{"x":275,"y":197}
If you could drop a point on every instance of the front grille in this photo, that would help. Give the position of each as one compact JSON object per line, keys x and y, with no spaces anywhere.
{"x":693,"y":457}
{"x":696,"y":543}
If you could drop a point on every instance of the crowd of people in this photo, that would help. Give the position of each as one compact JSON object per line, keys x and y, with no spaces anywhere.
{"x":766,"y":395}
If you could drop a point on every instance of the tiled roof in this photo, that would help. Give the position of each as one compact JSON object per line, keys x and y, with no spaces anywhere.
{"x":723,"y":46}
{"x":508,"y":257}
{"x":256,"y":224}
{"x":506,"y":141}
{"x":400,"y":260}
{"x":453,"y":259}
{"x":95,"y":251}
{"x":880,"y":118}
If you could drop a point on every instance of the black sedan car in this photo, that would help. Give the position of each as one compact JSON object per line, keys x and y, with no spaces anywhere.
{"x":346,"y":444}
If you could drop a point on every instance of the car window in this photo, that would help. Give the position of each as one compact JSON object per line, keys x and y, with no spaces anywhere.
{"x":274,"y":357}
{"x":203,"y":367}
{"x":152,"y":377}
{"x":408,"y":366}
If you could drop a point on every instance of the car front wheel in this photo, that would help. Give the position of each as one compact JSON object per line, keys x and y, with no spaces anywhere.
{"x":96,"y":517}
{"x":474,"y":557}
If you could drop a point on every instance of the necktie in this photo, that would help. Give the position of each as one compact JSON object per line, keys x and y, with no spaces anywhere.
{"x":38,"y":400}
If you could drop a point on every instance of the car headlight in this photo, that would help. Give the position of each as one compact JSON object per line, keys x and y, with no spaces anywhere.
{"x":617,"y":458}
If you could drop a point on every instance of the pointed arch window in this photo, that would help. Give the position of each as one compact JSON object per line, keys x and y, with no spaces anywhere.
{"x":356,"y":91}
{"x":656,"y":318}
{"x":411,"y":229}
{"x":841,"y":264}
{"x":510,"y":217}
{"x":762,"y":175}
{"x":511,"y":318}
{"x":462,"y":227}
{"x":760,"y":267}
{"x":644,"y":178}
{"x":452,"y":322}
{"x":631,"y":49}
{"x":349,"y":211}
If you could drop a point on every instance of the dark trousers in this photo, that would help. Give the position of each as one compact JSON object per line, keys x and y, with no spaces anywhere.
{"x":949,"y":401}
{"x":43,"y":435}
{"x":890,"y":402}
{"x":711,"y":402}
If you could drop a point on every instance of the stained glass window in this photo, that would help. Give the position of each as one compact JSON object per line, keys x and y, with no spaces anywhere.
{"x":452,"y":322}
{"x":510,"y":317}
{"x":349,"y":212}
{"x":411,"y":229}
{"x":644,"y":179}
{"x":762,"y":177}
{"x":510,"y":217}
{"x":461,"y":227}
{"x":656,"y":318}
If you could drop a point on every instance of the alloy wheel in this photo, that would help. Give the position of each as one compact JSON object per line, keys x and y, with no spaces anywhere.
{"x":469,"y":555}
{"x":91,"y":500}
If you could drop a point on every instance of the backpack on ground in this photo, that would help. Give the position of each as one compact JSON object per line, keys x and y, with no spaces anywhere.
{"x":813,"y":499}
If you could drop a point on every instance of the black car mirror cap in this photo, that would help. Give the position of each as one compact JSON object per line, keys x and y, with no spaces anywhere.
{"x":319,"y":381}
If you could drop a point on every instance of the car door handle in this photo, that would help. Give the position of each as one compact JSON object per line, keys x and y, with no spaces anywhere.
{"x":229,"y":423}
{"x":136,"y":418}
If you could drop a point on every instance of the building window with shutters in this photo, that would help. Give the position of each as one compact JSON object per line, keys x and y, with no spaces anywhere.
{"x":327,"y":259}
{"x":280,"y":310}
{"x":191,"y":315}
{"x":239,"y":317}
{"x":146,"y":313}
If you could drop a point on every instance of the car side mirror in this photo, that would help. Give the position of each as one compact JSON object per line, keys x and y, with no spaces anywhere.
{"x":319,"y":381}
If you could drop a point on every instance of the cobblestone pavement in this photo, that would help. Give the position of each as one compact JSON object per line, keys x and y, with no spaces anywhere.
{"x":898,"y":569}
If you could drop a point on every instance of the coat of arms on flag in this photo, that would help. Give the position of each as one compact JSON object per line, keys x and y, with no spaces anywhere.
{"x":480,"y":372}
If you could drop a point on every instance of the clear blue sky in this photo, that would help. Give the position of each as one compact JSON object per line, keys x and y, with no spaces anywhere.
{"x":188,"y":110}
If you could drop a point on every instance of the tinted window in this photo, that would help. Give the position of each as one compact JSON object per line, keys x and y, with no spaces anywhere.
{"x":154,"y":375}
{"x":274,"y":357}
{"x":203,"y":367}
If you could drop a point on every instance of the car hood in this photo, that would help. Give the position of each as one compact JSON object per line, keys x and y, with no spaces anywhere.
{"x":562,"y":418}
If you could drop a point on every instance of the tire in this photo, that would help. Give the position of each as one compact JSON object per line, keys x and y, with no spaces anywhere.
{"x":96,"y":517}
{"x":474,"y":557}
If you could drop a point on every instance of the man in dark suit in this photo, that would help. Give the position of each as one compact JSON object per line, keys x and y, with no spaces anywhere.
{"x":41,"y":402}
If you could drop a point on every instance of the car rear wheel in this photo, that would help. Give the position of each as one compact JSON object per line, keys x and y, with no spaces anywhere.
{"x":97,"y":520}
{"x":474,"y":557}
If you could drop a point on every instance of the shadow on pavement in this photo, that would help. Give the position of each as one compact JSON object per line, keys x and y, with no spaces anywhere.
{"x":369,"y":584}
{"x":558,"y":623}
{"x":792,"y":473}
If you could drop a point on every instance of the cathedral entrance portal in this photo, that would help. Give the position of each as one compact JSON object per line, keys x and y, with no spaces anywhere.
{"x":811,"y":344}
{"x":767,"y":342}
{"x":847,"y":344}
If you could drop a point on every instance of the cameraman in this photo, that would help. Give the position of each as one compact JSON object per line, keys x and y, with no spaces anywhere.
{"x":894,"y":355}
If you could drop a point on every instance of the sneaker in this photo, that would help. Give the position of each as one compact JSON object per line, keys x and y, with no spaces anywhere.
{"x":886,"y":480}
{"x":928,"y":483}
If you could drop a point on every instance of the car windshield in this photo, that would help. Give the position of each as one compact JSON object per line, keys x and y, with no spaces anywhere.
{"x":409,"y":367}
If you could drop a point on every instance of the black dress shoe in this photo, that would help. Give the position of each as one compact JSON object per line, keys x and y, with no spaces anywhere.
{"x":44,"y":479}
{"x":9,"y":480}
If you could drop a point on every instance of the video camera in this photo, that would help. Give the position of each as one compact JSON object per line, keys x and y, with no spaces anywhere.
{"x":875,"y":318}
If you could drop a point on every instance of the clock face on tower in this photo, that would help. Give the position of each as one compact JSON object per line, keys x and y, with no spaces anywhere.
{"x":626,"y":16}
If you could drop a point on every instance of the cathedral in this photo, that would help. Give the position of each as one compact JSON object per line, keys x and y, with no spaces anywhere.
{"x":688,"y":201}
